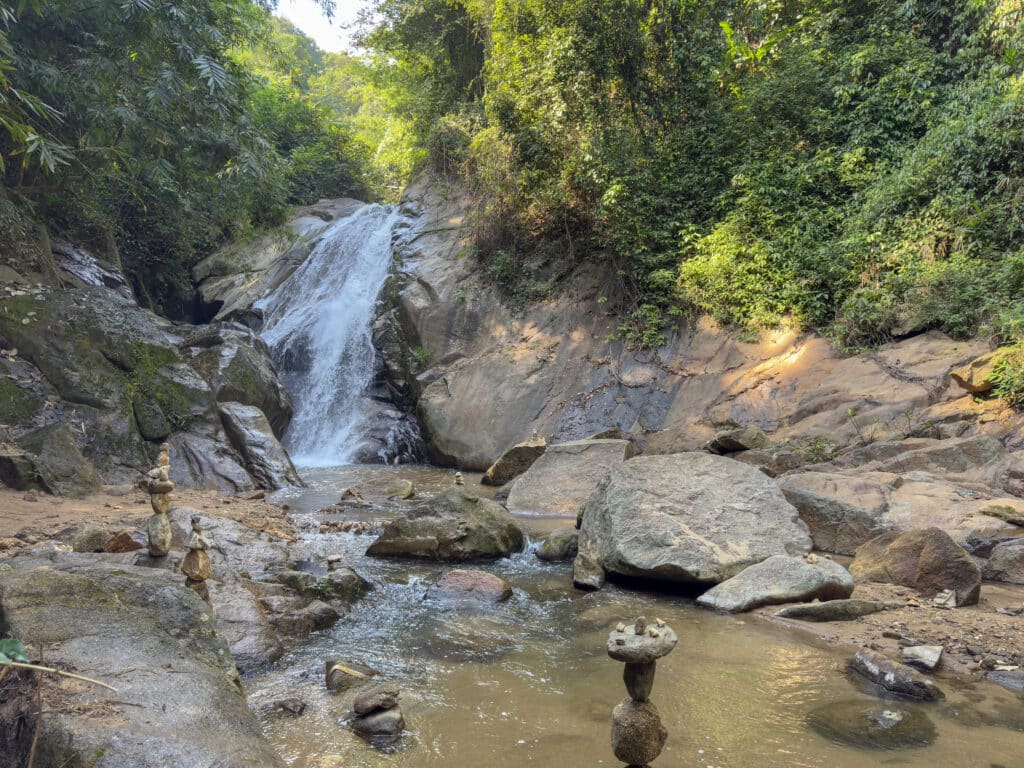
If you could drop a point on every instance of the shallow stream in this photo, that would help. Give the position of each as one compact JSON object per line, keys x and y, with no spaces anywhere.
{"x":528,"y":682}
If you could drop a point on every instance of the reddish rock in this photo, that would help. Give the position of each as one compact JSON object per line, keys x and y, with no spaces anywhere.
{"x":476,"y":586}
{"x":126,"y":541}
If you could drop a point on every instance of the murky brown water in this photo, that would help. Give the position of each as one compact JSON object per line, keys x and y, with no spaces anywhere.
{"x":529,"y":683}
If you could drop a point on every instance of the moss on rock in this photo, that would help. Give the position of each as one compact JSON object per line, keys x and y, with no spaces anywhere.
{"x":17,"y":405}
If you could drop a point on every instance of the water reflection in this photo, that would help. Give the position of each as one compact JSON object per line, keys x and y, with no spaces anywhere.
{"x":528,"y":682}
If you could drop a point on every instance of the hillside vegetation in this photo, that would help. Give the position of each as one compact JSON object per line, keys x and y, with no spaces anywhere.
{"x":851,"y":166}
{"x":153,"y":131}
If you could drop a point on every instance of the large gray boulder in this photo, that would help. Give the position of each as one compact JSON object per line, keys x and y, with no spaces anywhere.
{"x":265,"y":458}
{"x":237,"y":365}
{"x":927,"y":560}
{"x":559,"y":483}
{"x":562,"y":544}
{"x":178,"y":700}
{"x":200,"y":461}
{"x":779,"y":579}
{"x":687,"y":518}
{"x":1006,"y":562}
{"x":455,"y":526}
{"x":57,"y":462}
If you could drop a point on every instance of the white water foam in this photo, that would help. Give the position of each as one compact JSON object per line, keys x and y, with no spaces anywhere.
{"x":318,"y":325}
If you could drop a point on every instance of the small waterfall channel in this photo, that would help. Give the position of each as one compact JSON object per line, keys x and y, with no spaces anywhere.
{"x":318,"y":324}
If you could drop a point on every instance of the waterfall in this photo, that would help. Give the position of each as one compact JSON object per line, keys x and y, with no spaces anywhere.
{"x":318,"y":325}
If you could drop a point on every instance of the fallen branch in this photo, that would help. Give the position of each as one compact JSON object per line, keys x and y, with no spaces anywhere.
{"x":39,"y":668}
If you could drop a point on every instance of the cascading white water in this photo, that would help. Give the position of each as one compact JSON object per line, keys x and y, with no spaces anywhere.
{"x":318,"y":326}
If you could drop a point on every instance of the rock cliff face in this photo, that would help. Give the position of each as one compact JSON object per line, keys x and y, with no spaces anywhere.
{"x":91,"y":383}
{"x":484,"y":377}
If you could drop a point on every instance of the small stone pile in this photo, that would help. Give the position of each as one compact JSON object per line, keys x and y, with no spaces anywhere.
{"x":376,"y":714}
{"x":637,"y":733}
{"x":196,"y":565}
{"x":159,"y":486}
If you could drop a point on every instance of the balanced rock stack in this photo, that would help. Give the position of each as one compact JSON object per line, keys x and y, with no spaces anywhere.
{"x":376,"y":713}
{"x":637,"y":733}
{"x":159,"y":485}
{"x":196,"y":565}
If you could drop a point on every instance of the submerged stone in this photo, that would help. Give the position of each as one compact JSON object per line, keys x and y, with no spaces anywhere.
{"x":832,"y":610}
{"x":872,"y":725}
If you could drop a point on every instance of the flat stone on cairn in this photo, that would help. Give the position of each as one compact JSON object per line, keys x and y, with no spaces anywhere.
{"x":637,"y":733}
{"x":632,"y":648}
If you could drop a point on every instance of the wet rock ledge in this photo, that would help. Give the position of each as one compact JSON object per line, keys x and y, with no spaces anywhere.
{"x":178,"y":700}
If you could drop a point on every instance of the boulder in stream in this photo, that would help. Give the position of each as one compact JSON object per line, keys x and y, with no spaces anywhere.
{"x":926,"y":560}
{"x":560,"y":545}
{"x":894,"y":678}
{"x":454,"y":526}
{"x":779,"y":579}
{"x":687,"y":518}
{"x":559,"y":483}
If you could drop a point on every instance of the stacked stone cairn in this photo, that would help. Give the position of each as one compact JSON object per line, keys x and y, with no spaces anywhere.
{"x":196,"y":565}
{"x":637,"y":733}
{"x":159,"y":485}
{"x":376,"y":715}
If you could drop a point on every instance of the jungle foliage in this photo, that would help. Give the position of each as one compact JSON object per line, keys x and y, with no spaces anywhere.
{"x":152,"y":131}
{"x":854,"y":166}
